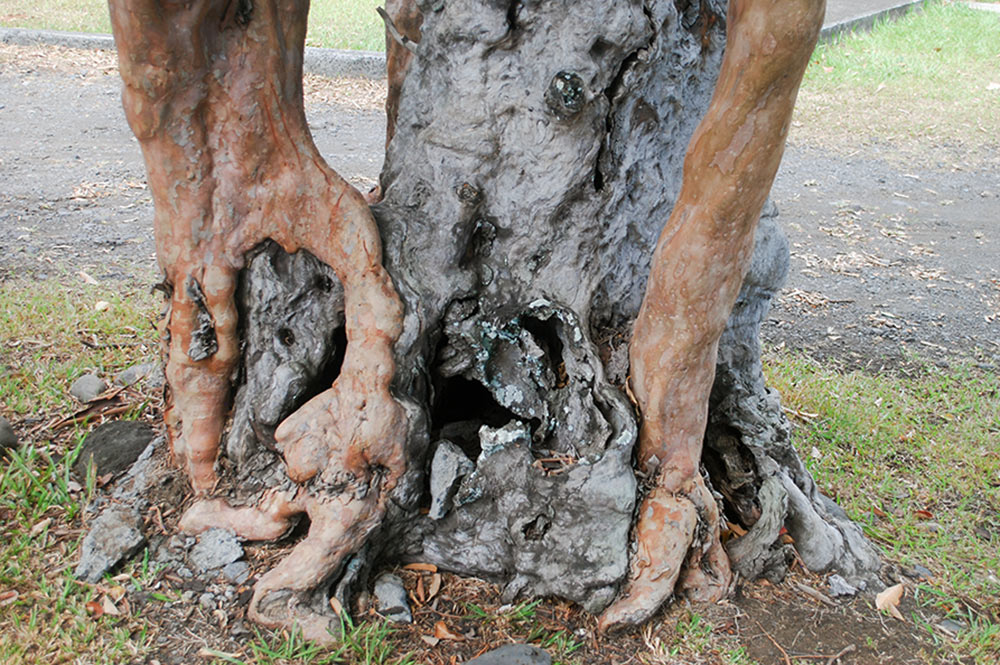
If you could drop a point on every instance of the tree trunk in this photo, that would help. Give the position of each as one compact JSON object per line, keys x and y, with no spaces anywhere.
{"x":490,"y":430}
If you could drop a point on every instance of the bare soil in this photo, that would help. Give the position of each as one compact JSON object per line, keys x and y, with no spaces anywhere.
{"x":889,"y":266}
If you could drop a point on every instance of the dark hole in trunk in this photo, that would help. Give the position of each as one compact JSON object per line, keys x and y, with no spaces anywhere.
{"x":461,"y":407}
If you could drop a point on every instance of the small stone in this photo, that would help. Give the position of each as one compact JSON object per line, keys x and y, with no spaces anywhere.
{"x":113,"y":447}
{"x":185,"y":572}
{"x":207,"y":601}
{"x":922,"y":572}
{"x":87,"y":388}
{"x":236,"y":572}
{"x":215,"y":548}
{"x":513,"y":654}
{"x":447,"y":468}
{"x":8,"y":439}
{"x":150,"y":374}
{"x":113,"y":537}
{"x":391,"y":596}
{"x":841,"y":587}
{"x":951,"y":626}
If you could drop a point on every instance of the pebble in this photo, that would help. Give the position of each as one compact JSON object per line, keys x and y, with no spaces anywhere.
{"x":88,"y":387}
{"x":841,"y":587}
{"x":150,"y":374}
{"x":8,"y":439}
{"x":215,"y":548}
{"x":236,"y":572}
{"x":513,"y":654}
{"x":392,"y":602}
{"x":207,"y":601}
{"x":113,"y":447}
{"x":113,"y":537}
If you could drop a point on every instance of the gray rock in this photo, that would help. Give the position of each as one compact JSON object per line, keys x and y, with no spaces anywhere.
{"x":149,"y":374}
{"x":113,"y":447}
{"x":113,"y":537}
{"x":392,"y":601}
{"x":8,"y":439}
{"x":922,"y":572}
{"x":513,"y":654}
{"x":841,"y":587}
{"x":236,"y":572}
{"x":215,"y":548}
{"x":87,"y":387}
{"x":447,"y":468}
{"x":207,"y":601}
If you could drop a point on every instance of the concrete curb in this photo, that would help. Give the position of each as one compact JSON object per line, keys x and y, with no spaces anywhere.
{"x":866,"y":22}
{"x":370,"y":64}
{"x":321,"y":61}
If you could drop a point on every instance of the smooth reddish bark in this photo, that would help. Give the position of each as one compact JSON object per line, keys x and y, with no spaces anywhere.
{"x":698,"y":266}
{"x":213,"y":92}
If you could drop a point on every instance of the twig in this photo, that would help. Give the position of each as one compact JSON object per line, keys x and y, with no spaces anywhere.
{"x":400,"y":38}
{"x":784,"y":654}
{"x":816,"y":595}
{"x":833,"y":659}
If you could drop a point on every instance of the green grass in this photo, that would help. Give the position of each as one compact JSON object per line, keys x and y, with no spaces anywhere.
{"x":916,"y":462}
{"x":343,"y":24}
{"x":924,"y":82}
{"x":52,"y":333}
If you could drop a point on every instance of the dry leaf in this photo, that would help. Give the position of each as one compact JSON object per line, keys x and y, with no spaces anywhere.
{"x":87,"y":278}
{"x":430,"y":641}
{"x":435,"y":586}
{"x":888,"y":600}
{"x":419,"y":591}
{"x":8,"y":597}
{"x":94,"y":609}
{"x":116,"y":592}
{"x":102,"y":305}
{"x":205,"y":652}
{"x":924,"y":514}
{"x":442,"y":632}
{"x":109,"y":607}
{"x":41,"y":526}
{"x":422,"y":567}
{"x":336,"y":606}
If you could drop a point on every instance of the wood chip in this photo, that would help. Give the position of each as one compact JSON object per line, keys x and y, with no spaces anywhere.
{"x":421,"y":567}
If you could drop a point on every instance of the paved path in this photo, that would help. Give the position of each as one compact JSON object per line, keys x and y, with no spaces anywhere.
{"x":841,"y":15}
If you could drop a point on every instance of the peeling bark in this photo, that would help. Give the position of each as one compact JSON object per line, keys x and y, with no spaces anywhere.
{"x":533,"y":162}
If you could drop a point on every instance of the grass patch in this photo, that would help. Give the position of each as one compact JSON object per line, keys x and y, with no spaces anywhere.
{"x":926,"y":85}
{"x":915,"y":462}
{"x":342,"y":24}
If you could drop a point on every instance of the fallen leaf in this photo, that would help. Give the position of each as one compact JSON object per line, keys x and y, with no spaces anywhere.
{"x":205,"y":652}
{"x":8,"y":597}
{"x":336,"y":606}
{"x":442,"y":632}
{"x":116,"y":593}
{"x":924,"y":514}
{"x":888,"y":600}
{"x":102,"y":305}
{"x":430,"y":641}
{"x":87,"y":278}
{"x":419,"y":591}
{"x":879,"y":512}
{"x":422,"y":567}
{"x":109,"y":607}
{"x":435,"y":586}
{"x":94,"y":609}
{"x":41,"y":526}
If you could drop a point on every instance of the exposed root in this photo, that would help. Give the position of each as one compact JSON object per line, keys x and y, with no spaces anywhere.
{"x":215,"y":99}
{"x":698,"y":267}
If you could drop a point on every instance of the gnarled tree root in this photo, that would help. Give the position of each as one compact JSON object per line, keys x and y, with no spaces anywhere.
{"x":213,"y":92}
{"x":698,"y":267}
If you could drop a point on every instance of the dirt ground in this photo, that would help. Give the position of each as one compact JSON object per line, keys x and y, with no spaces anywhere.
{"x":889,"y":265}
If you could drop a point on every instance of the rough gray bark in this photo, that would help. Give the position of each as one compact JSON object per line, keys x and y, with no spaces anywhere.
{"x":537,"y":155}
